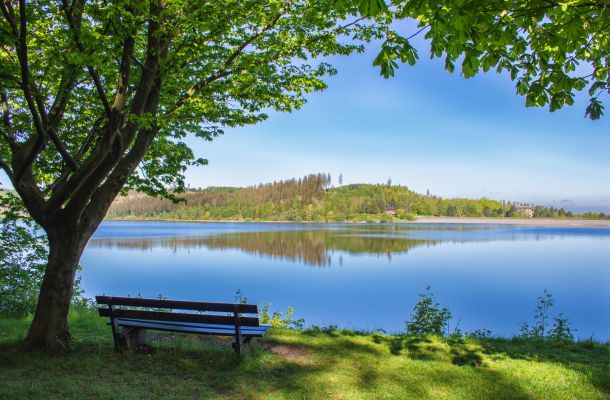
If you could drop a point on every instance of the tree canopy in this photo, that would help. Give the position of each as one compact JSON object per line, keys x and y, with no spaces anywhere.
{"x":550,"y":48}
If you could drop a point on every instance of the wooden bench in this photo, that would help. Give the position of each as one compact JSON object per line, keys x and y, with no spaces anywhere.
{"x":131,"y":317}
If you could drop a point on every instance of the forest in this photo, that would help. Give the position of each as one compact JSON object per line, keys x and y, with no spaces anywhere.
{"x":314,"y":199}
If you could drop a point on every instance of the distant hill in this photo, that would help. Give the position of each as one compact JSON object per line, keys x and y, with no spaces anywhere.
{"x":311,"y":198}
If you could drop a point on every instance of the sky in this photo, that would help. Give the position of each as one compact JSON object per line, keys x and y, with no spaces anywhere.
{"x":426,"y":129}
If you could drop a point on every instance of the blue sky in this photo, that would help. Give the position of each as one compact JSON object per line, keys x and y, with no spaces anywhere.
{"x":426,"y":129}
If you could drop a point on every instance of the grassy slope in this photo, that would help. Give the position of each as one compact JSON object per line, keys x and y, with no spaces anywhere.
{"x":302,"y":365}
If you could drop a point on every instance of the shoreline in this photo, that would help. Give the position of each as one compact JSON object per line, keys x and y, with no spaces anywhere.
{"x":540,"y":222}
{"x":543,"y":222}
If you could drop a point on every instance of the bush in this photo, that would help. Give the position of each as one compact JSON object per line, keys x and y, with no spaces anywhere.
{"x":23,"y":254}
{"x":23,"y":259}
{"x":428,"y":317}
{"x":277,"y":319}
{"x":480,"y":334}
{"x":402,"y":214}
{"x":561,"y":328}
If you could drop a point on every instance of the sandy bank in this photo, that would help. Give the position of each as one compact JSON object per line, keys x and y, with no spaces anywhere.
{"x":599,"y":223}
{"x":593,"y":223}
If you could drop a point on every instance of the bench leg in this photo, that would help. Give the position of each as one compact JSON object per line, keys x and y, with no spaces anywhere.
{"x":245,"y":344}
{"x":119,"y":342}
{"x":236,"y":344}
{"x":137,"y":340}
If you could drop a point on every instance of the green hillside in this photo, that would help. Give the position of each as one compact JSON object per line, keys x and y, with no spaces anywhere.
{"x":311,"y":198}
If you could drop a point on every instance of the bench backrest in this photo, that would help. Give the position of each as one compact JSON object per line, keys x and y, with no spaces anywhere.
{"x":162,"y":310}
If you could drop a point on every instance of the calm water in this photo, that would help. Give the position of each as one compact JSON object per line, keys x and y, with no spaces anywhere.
{"x":362,"y":276}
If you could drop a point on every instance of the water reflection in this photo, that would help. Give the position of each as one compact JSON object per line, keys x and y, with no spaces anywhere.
{"x":314,"y":245}
{"x":311,"y":247}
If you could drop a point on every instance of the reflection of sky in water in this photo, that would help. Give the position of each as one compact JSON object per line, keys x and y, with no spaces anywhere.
{"x":489,"y":276}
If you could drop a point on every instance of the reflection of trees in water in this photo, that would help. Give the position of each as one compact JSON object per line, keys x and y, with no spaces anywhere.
{"x":312,"y":247}
{"x":315,"y":246}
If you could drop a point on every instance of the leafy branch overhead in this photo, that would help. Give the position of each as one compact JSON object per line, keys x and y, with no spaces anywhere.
{"x":551,"y":49}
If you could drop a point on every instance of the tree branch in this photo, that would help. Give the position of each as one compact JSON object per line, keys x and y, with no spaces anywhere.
{"x":49,"y":130}
{"x":33,"y":148}
{"x":69,"y":80}
{"x":98,"y":193}
{"x":31,"y":195}
{"x":81,"y":152}
{"x":103,"y":196}
{"x":107,"y":149}
{"x":9,"y":135}
{"x":151,"y":64}
{"x":100,"y":197}
{"x":124,"y":73}
{"x":223,"y":70}
{"x":9,"y":15}
{"x":92,"y":71}
{"x":7,"y":169}
{"x":36,"y":106}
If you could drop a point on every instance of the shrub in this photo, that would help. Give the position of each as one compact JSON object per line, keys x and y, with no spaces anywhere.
{"x":23,"y":259}
{"x":428,"y":317}
{"x":23,"y":254}
{"x":480,"y":334}
{"x":402,"y":214}
{"x":277,"y":319}
{"x":561,"y":328}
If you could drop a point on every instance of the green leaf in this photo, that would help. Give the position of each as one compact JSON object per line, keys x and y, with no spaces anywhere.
{"x":372,"y":8}
{"x":595,"y":109}
{"x":449,"y":66}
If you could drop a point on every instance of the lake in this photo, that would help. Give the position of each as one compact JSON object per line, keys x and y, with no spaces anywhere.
{"x":362,"y":276}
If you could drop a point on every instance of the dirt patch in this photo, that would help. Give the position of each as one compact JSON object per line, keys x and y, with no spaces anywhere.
{"x":289,"y":352}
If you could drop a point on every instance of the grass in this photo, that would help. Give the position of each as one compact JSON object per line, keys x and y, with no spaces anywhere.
{"x":314,"y":364}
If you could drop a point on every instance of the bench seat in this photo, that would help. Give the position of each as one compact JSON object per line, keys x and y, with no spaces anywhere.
{"x":191,"y":327}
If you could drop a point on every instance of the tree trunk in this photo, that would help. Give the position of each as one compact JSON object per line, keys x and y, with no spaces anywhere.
{"x":49,"y":327}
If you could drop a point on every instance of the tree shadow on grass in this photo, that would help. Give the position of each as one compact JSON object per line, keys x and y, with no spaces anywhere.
{"x":282,"y":374}
{"x":373,"y":378}
{"x":589,"y":358}
{"x":207,"y":368}
{"x":586,"y":357}
{"x":430,"y":349}
{"x":433,"y":379}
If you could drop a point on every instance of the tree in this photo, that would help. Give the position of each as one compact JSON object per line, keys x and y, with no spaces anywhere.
{"x":340,"y":179}
{"x":96,"y":97}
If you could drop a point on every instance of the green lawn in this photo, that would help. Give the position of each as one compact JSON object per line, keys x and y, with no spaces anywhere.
{"x":289,"y":364}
